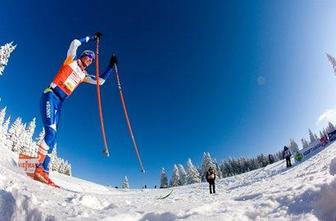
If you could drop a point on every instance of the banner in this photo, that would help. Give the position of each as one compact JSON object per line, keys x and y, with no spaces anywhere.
{"x":27,"y":164}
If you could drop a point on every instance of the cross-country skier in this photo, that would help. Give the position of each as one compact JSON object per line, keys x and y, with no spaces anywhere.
{"x":71,"y":74}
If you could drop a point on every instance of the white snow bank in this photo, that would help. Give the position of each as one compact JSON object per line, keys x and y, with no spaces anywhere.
{"x":307,"y":191}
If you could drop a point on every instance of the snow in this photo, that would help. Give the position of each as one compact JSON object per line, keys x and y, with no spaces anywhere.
{"x":307,"y":191}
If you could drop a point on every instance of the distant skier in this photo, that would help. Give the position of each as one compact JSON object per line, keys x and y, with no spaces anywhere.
{"x":270,"y":158}
{"x":70,"y":75}
{"x":287,"y":155}
{"x":210,"y":177}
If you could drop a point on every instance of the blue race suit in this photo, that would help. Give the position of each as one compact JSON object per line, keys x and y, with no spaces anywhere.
{"x":66,"y":81}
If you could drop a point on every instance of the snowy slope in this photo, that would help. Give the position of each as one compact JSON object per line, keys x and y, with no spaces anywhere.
{"x":304,"y":192}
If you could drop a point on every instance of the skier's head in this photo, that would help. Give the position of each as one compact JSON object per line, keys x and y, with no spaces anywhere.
{"x":87,"y":57}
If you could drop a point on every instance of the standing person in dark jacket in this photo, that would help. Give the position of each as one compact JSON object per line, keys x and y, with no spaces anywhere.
{"x":287,"y":155}
{"x":210,"y":177}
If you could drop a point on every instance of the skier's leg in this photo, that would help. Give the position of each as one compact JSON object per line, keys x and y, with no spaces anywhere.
{"x":49,"y":106}
{"x":214,"y":188}
{"x":210,"y":187}
{"x":52,"y":135}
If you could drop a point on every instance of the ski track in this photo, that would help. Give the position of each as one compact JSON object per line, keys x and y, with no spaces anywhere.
{"x":307,"y":191}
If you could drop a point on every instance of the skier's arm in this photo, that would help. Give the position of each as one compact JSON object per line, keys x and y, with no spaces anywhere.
{"x":72,"y":51}
{"x":91,"y":79}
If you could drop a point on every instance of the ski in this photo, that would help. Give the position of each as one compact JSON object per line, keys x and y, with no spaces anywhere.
{"x":165,"y":196}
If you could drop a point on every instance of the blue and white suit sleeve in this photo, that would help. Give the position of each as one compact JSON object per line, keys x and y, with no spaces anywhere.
{"x":91,"y":79}
{"x":72,"y":51}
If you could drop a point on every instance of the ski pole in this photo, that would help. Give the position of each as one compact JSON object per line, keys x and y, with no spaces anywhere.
{"x":100,"y":108}
{"x":127,"y":118}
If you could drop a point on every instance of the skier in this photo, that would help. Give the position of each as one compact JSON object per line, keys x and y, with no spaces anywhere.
{"x":270,"y":158}
{"x":71,"y":74}
{"x":210,"y":177}
{"x":287,"y":155}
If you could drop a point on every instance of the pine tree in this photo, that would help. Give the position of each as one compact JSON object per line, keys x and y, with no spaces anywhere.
{"x":175,"y":181}
{"x":29,"y":145}
{"x":217,"y":169}
{"x":5,"y":127}
{"x":330,"y":127}
{"x":312,"y":137}
{"x":182,"y":174}
{"x":54,"y":159}
{"x":20,"y":145}
{"x":40,"y":137}
{"x":262,"y":160}
{"x":125,"y":184}
{"x":5,"y":52}
{"x":2,"y":115}
{"x":163,"y":179}
{"x":61,"y":167}
{"x":332,"y":62}
{"x":293,"y":147}
{"x":15,"y":134}
{"x":2,"y":132}
{"x":321,"y":134}
{"x":193,"y":175}
{"x":68,"y":171}
{"x":304,"y":143}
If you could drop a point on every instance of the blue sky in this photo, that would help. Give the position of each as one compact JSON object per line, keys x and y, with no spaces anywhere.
{"x":233,"y":78}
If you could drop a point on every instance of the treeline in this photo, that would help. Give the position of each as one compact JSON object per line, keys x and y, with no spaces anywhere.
{"x":232,"y":166}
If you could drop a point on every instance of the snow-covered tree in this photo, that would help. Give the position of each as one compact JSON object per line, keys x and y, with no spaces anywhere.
{"x":5,"y":128}
{"x":332,"y":62}
{"x":226,"y":168}
{"x":61,"y":167}
{"x":304,"y":143}
{"x":182,"y":174}
{"x":2,"y":132}
{"x":15,"y":134}
{"x":29,"y":144}
{"x":330,"y":127}
{"x":175,"y":181}
{"x":293,"y":147}
{"x":54,"y":161}
{"x":262,"y":160}
{"x":125,"y":184}
{"x":193,"y":175}
{"x":5,"y":52}
{"x":312,"y":137}
{"x":321,"y":134}
{"x":68,"y":170}
{"x":40,"y":137}
{"x":278,"y":156}
{"x":163,"y":179}
{"x":217,"y":169}
{"x":2,"y":115}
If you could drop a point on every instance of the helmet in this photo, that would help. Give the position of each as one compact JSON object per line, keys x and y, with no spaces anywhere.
{"x":88,"y":53}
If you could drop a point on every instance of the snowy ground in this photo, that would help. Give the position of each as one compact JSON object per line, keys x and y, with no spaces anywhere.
{"x":306,"y":191}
